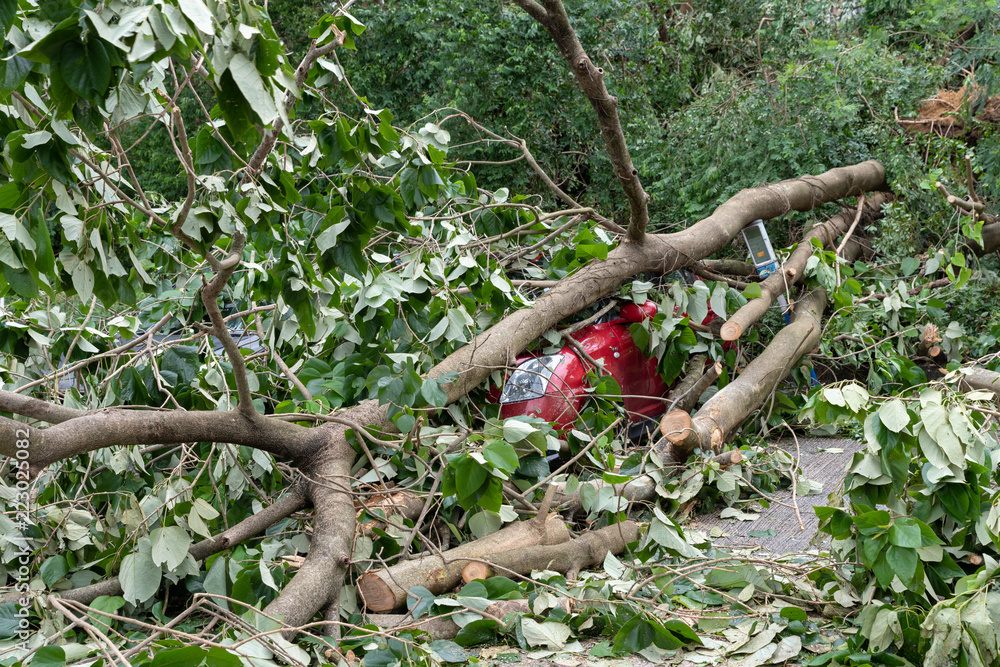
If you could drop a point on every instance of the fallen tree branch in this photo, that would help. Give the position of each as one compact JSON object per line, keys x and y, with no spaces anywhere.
{"x":569,"y":558}
{"x":793,"y":270}
{"x":991,"y":227}
{"x":728,"y":408}
{"x":685,"y":395}
{"x":731,"y":267}
{"x":384,"y":590}
{"x":498,"y":346}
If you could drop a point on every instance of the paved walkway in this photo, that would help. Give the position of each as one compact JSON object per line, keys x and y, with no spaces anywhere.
{"x":776,"y":529}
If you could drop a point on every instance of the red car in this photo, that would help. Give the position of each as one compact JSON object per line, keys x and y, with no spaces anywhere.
{"x":554,"y":386}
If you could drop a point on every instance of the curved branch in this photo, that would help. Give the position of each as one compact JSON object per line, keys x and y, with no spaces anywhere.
{"x":210,"y":297}
{"x":267,"y":143}
{"x":123,"y":428}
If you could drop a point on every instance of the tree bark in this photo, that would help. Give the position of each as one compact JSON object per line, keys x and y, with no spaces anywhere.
{"x":394,"y":505}
{"x":384,"y":590}
{"x":591,"y":81}
{"x":685,"y":395}
{"x":730,"y":267}
{"x":727,"y":409}
{"x":981,"y":378}
{"x":793,"y":270}
{"x":585,"y":551}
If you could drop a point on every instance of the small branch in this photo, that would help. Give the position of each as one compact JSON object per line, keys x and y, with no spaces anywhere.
{"x":854,"y":225}
{"x":699,"y":270}
{"x":210,"y":297}
{"x":301,"y":72}
{"x":573,"y":328}
{"x":522,"y":145}
{"x":281,"y":362}
{"x":183,"y":151}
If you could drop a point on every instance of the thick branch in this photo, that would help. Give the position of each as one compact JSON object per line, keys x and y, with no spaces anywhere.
{"x":384,"y":590}
{"x":318,"y":582}
{"x":727,"y":409}
{"x":36,"y":408}
{"x":124,"y":428}
{"x":578,"y":554}
{"x":591,"y":82}
{"x":793,"y":270}
{"x":685,"y":395}
{"x":981,"y":378}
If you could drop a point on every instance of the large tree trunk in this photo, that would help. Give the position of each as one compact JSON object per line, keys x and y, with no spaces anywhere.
{"x":727,"y":409}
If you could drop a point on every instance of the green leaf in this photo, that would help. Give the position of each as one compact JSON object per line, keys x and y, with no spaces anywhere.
{"x":189,"y":656}
{"x":794,"y":614}
{"x":419,"y":601}
{"x":449,"y":651}
{"x":220,"y":657}
{"x":905,"y":533}
{"x":170,"y":546}
{"x":903,"y":562}
{"x":86,"y":68}
{"x":106,"y":604}
{"x":197,"y":12}
{"x":22,"y":282}
{"x":502,"y":456}
{"x":469,"y":477}
{"x":634,"y":636}
{"x":13,"y":71}
{"x":893,"y":415}
{"x":53,"y":569}
{"x":248,"y":80}
{"x":182,"y":360}
{"x":477,"y":632}
{"x":49,"y":656}
{"x":139,"y":577}
{"x":8,"y":10}
{"x":433,"y":393}
{"x":752,"y":291}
